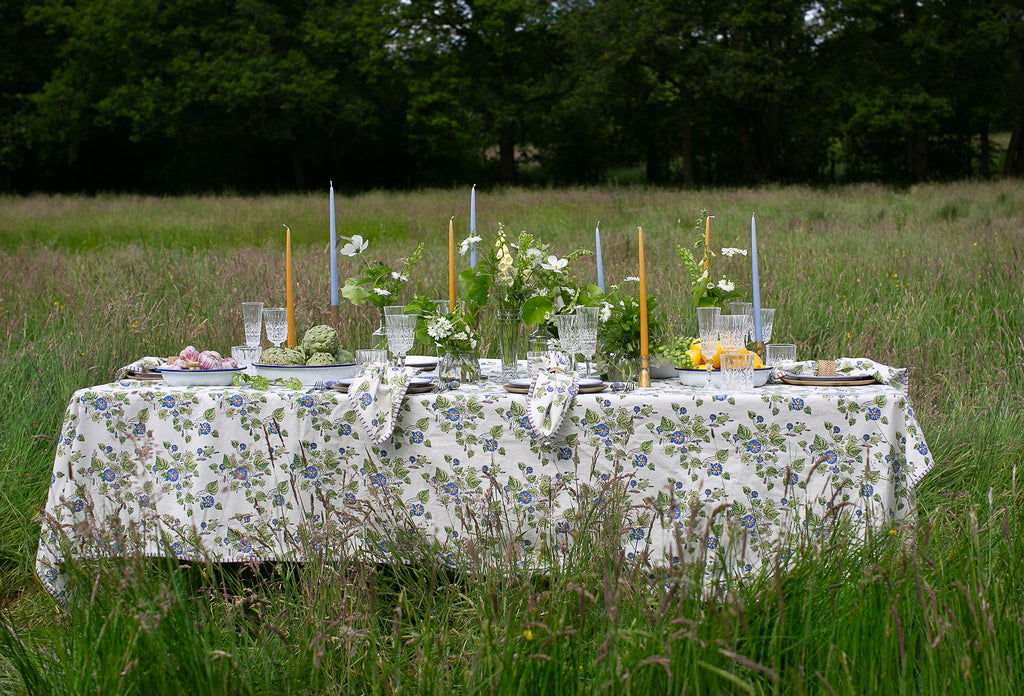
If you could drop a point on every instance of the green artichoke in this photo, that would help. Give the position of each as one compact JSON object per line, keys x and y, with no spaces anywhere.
{"x":344,"y":357}
{"x":282,"y":356}
{"x":320,"y":339}
{"x":321,"y":358}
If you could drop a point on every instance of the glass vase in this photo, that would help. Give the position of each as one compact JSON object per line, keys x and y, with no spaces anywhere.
{"x":509,"y":329}
{"x":461,"y":367}
{"x":379,"y":338}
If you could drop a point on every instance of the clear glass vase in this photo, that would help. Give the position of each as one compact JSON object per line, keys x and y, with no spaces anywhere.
{"x":379,"y":338}
{"x":509,"y":330}
{"x":461,"y":367}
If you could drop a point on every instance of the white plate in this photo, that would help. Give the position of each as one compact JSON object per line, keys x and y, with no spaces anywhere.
{"x":697,"y":376}
{"x":417,"y":385}
{"x":199,"y":378}
{"x":421,"y":362}
{"x":307,"y":374}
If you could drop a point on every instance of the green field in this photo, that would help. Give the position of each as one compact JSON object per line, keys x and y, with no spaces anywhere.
{"x":930,"y":278}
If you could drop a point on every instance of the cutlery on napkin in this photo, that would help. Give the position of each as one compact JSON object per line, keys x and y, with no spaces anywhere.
{"x":376,"y":394}
{"x":146,"y":364}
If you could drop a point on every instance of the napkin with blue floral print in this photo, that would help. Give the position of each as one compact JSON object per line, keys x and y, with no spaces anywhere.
{"x":141,"y":365}
{"x":851,"y":367}
{"x":551,"y":396}
{"x":376,"y":394}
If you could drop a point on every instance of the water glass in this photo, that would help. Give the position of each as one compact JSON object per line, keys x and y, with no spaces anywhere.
{"x":732,"y":332}
{"x":252,"y":316}
{"x":776,"y":353}
{"x":401,"y":332}
{"x":767,"y":319}
{"x":707,"y":329}
{"x":275,"y":319}
{"x":371,"y":355}
{"x":568,"y":335}
{"x":737,"y":372}
{"x":741,"y":307}
{"x":588,"y":319}
{"x":246,"y":355}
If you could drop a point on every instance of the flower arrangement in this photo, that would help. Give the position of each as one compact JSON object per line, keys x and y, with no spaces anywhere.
{"x":619,"y":331}
{"x":378,"y":283}
{"x":452,"y":332}
{"x":706,"y":292}
{"x":524,"y":275}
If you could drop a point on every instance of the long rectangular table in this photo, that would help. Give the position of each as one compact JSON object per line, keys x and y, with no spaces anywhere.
{"x":676,"y":475}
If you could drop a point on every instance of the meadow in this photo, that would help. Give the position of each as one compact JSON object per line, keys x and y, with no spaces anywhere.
{"x":930,"y":278}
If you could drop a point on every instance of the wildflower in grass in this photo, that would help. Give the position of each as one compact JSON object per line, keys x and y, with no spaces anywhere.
{"x":528,"y":634}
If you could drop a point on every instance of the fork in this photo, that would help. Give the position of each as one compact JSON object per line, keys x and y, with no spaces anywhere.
{"x":317,"y":386}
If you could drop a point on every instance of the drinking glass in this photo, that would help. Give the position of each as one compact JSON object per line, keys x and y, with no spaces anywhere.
{"x":707,"y":329}
{"x":737,"y":372}
{"x":568,"y":336}
{"x":401,"y":332}
{"x":252,"y":316}
{"x":740,"y":307}
{"x":732,"y":332}
{"x":588,"y":319}
{"x":246,"y":355}
{"x":275,"y":319}
{"x":371,"y":355}
{"x":780,"y":352}
{"x":767,"y":319}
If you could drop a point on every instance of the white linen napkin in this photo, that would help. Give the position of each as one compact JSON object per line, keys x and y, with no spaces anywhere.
{"x":376,"y":394}
{"x":142,"y":364}
{"x":852,"y":367}
{"x":551,"y":396}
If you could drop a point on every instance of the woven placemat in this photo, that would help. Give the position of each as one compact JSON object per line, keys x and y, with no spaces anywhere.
{"x":826,"y":368}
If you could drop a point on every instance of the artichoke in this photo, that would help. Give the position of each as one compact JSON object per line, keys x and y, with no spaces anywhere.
{"x":320,"y":339}
{"x":282,"y":356}
{"x":321,"y":358}
{"x":344,"y":357}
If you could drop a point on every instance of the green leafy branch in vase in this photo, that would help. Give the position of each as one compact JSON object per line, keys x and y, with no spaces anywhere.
{"x":377,"y":283}
{"x":705,"y":291}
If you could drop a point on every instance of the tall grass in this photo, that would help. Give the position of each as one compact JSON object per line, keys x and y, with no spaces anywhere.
{"x":929,"y":278}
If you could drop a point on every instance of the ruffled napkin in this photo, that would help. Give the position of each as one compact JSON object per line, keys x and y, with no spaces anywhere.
{"x":376,"y":394}
{"x":551,"y":396}
{"x":146,"y":364}
{"x":851,"y":367}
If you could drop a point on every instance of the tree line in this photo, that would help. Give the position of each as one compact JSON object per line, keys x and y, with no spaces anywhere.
{"x":260,"y":95}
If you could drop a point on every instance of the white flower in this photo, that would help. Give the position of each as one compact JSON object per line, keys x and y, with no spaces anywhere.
{"x":439,"y":328}
{"x":635,"y":279}
{"x":726,"y":285}
{"x":606,"y":311}
{"x":356,"y":245}
{"x":732,"y":251}
{"x":467,"y":243}
{"x":555,"y":264}
{"x":382,"y":292}
{"x":534,"y":255}
{"x":398,"y":276}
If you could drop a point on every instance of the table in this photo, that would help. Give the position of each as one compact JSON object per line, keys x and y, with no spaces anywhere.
{"x":674,"y":474}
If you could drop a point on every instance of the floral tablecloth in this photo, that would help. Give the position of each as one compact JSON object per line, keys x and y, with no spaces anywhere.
{"x":675,"y":475}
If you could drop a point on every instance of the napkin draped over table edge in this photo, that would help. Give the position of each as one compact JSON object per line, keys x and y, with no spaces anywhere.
{"x":848,"y":367}
{"x":551,"y":396}
{"x":376,"y":395}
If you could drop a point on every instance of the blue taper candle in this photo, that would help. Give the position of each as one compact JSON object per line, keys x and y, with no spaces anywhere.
{"x":600,"y":265}
{"x":755,"y":281}
{"x":472,"y":226}
{"x":334,"y":254}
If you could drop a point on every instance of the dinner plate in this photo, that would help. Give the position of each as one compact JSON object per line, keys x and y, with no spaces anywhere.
{"x":199,"y":378}
{"x":416,"y":385}
{"x":309,"y":375}
{"x":830,"y":381}
{"x":587,"y":386}
{"x":421,"y":362}
{"x":698,"y":376}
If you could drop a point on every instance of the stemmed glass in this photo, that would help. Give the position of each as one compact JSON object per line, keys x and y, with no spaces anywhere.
{"x":252,"y":316}
{"x":588,"y":319}
{"x":275,"y":319}
{"x":767,"y":320}
{"x":569,"y":336}
{"x":707,"y":328}
{"x":401,"y":333}
{"x":732,"y":332}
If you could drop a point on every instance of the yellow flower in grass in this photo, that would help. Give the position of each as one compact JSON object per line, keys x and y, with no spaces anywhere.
{"x":528,"y":634}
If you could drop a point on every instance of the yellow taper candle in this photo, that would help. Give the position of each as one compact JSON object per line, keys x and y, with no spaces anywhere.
{"x":643,"y":298}
{"x":707,"y":243}
{"x":451,"y":264}
{"x":289,"y":298}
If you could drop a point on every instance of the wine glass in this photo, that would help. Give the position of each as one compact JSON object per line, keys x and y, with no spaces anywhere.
{"x":275,"y":319}
{"x":252,"y":316}
{"x":401,"y":332}
{"x":588,"y":319}
{"x":568,"y":336}
{"x":767,"y":320}
{"x":707,"y":329}
{"x":732,"y":332}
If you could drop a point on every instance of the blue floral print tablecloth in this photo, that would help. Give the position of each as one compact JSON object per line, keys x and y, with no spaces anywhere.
{"x":676,"y":475}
